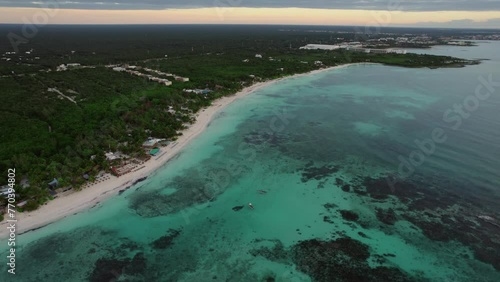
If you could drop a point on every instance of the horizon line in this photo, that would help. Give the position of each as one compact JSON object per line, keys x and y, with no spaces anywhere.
{"x":249,"y":24}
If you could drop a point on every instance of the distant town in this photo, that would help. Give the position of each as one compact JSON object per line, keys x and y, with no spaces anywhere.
{"x":396,"y":39}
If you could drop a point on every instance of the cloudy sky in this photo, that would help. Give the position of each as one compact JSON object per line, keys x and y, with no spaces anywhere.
{"x":439,"y":13}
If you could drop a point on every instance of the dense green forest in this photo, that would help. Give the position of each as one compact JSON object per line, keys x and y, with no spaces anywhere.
{"x":45,"y":135}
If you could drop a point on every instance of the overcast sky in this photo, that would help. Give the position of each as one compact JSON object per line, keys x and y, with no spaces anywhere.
{"x":406,"y":5}
{"x":445,"y":13}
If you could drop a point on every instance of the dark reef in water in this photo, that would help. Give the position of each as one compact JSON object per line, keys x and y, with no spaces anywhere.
{"x":108,"y":269}
{"x":67,"y":256}
{"x":341,"y":183}
{"x":318,"y":173}
{"x":276,"y":253}
{"x":344,"y":259}
{"x":349,"y":215}
{"x":140,"y":180}
{"x":111,"y":269}
{"x":258,"y":138}
{"x":330,"y":206}
{"x":167,"y":240}
{"x":432,"y":205}
{"x":463,"y":227}
{"x":327,"y":219}
{"x":192,"y":188}
{"x":363,"y":235}
{"x":387,"y":216}
{"x":237,"y":208}
{"x":137,"y":266}
{"x":46,"y":247}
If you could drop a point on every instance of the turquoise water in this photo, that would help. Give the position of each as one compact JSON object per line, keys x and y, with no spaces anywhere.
{"x":327,"y":151}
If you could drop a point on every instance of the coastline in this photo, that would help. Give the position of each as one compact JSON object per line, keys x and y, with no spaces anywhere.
{"x":65,"y":206}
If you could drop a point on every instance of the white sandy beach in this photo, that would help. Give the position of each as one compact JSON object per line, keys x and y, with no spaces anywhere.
{"x":62,"y":207}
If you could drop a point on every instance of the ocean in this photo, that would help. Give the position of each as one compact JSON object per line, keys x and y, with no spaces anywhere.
{"x":364,"y":173}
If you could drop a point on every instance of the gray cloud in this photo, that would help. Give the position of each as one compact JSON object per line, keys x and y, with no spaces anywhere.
{"x":405,"y":5}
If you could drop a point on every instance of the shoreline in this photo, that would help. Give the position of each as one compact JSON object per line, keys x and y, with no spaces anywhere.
{"x":82,"y":200}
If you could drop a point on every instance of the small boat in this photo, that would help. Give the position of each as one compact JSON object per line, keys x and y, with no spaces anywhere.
{"x":262,"y":191}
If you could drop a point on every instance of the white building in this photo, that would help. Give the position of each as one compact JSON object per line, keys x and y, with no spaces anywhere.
{"x":61,"y":68}
{"x":181,"y":79}
{"x":459,"y":43}
{"x":111,"y":156}
{"x":319,"y":47}
{"x":396,"y":51}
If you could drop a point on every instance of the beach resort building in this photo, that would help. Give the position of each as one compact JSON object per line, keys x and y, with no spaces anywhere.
{"x":150,"y":143}
{"x":111,"y":156}
{"x":125,"y":167}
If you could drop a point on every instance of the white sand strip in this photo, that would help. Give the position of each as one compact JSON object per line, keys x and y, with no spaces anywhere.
{"x":62,"y":207}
